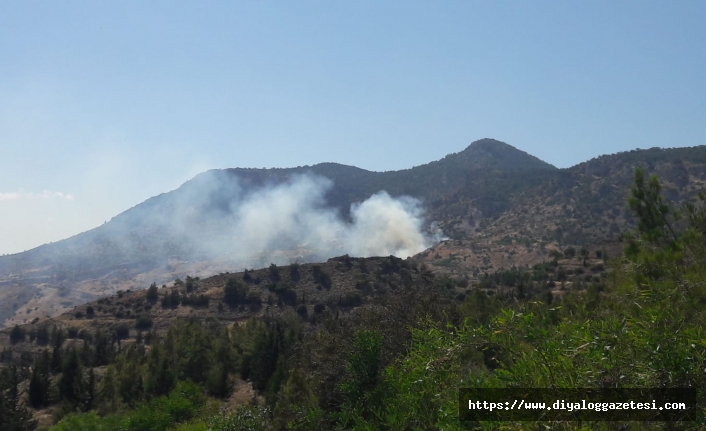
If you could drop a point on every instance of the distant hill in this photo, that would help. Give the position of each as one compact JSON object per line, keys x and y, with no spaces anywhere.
{"x":138,"y":234}
{"x":587,"y":203}
{"x":489,"y":194}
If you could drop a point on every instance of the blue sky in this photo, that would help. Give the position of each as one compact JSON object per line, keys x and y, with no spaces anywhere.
{"x":104,"y":104}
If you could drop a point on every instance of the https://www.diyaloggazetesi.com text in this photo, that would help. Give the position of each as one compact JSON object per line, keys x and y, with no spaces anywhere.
{"x":673,"y":404}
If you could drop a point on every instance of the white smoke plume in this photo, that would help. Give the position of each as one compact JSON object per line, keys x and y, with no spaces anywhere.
{"x":219,"y":220}
{"x":264,"y":222}
{"x":384,"y":226}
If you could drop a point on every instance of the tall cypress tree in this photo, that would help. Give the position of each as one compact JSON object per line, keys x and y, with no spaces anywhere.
{"x":57,"y":359}
{"x":71,"y":385}
{"x":39,"y":382}
{"x":103,"y":349}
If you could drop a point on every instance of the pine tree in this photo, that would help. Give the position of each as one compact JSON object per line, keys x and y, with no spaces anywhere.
{"x":87,"y":354}
{"x":39,"y":382}
{"x":175,"y":298}
{"x":108,"y":392}
{"x":71,"y":385}
{"x":43,"y":335}
{"x":234,"y":293}
{"x":36,"y":394}
{"x":218,"y":380}
{"x":103,"y":349}
{"x":57,"y":338}
{"x":130,"y":383}
{"x":152,"y":293}
{"x":160,"y":376}
{"x":17,"y":335}
{"x":266,"y":353}
{"x":56,"y":359}
{"x":13,"y":415}
{"x":651,"y":211}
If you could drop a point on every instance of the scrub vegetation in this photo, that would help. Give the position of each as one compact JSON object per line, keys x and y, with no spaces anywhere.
{"x":393,"y":359}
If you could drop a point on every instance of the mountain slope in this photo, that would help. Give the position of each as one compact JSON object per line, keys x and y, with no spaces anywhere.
{"x":138,"y":234}
{"x":587,"y":203}
{"x":489,"y":194}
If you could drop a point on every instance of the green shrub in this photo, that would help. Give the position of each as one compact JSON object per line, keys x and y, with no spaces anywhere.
{"x":234,"y":293}
{"x":350,"y":299}
{"x":321,"y":277}
{"x":143,"y":323}
{"x":597,"y":267}
{"x":302,"y":310}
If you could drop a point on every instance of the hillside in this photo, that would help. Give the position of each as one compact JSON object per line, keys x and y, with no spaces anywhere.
{"x":176,"y":233}
{"x":339,"y":285}
{"x":341,"y":291}
{"x":587,"y":203}
{"x":349,"y":341}
{"x":501,"y":206}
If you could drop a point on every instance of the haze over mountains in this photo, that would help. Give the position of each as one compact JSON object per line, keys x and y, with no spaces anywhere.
{"x":490,"y":193}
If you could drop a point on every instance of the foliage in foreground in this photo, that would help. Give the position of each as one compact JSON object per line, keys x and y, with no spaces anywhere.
{"x":645,"y":329}
{"x":158,"y":414}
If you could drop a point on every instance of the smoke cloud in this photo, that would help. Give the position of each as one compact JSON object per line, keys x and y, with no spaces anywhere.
{"x":291,"y":221}
{"x":214,"y":222}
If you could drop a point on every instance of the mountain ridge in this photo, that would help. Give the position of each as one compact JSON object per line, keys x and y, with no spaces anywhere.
{"x":326,"y":169}
{"x":490,"y":192}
